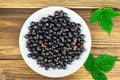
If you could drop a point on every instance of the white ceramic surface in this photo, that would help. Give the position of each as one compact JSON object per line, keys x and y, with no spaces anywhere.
{"x":57,"y":72}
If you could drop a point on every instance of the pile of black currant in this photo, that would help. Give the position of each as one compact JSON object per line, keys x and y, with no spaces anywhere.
{"x":55,"y":41}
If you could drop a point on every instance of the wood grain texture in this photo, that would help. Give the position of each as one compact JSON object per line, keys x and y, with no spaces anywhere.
{"x":18,"y":70}
{"x":65,"y":3}
{"x":12,"y":66}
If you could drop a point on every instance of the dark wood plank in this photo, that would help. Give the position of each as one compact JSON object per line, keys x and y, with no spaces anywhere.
{"x":11,"y":21}
{"x":66,"y":3}
{"x":18,"y":70}
{"x":12,"y":67}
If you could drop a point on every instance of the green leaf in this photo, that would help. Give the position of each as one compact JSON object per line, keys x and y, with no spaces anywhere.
{"x":97,"y":75}
{"x":104,"y":17}
{"x":98,"y":66}
{"x":105,"y":62}
{"x":106,"y":23}
{"x":89,"y":64}
{"x":94,"y":73}
{"x":95,"y":16}
{"x":111,"y":12}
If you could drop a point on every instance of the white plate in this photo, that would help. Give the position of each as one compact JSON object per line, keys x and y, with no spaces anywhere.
{"x":57,"y":72}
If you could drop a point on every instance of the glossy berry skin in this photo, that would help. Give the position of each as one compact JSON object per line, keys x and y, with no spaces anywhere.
{"x":55,"y":41}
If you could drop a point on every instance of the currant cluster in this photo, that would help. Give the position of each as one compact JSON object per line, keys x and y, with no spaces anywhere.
{"x":55,"y":41}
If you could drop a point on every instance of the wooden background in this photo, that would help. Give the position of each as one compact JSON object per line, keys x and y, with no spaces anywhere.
{"x":14,"y":13}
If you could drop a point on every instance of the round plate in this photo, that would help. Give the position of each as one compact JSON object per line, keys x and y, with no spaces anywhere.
{"x":57,"y":72}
